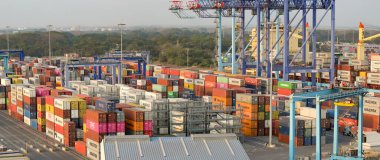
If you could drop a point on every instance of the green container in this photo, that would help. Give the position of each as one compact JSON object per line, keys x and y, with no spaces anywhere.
{"x":172,"y":94}
{"x":286,"y":85}
{"x":267,"y":115}
{"x":261,"y":108}
{"x":6,"y":101}
{"x":159,"y":88}
{"x":221,"y":79}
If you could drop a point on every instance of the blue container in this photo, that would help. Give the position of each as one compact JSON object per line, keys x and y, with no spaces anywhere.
{"x":26,"y":113}
{"x":313,"y":140}
{"x":307,"y":141}
{"x":33,"y":123}
{"x":104,"y":105}
{"x":152,"y":79}
{"x":284,"y":130}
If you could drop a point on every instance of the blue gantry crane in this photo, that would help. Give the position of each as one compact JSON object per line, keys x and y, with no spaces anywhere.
{"x":5,"y":55}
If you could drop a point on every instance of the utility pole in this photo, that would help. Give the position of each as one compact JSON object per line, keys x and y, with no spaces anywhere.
{"x":187,"y":57}
{"x":49,"y":28}
{"x":8,"y":37}
{"x":121,"y":40}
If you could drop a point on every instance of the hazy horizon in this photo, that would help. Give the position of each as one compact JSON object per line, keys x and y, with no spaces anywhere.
{"x":146,"y":13}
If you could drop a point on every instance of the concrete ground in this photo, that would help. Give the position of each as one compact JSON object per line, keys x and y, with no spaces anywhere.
{"x":257,"y":150}
{"x":16,"y":135}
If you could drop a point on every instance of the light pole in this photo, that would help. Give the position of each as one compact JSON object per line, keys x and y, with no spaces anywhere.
{"x":8,"y":37}
{"x":49,"y":28}
{"x":121,"y":40}
{"x":187,"y":57}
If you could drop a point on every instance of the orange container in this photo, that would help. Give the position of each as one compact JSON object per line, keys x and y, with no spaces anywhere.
{"x":222,"y":101}
{"x":246,"y":123}
{"x":134,"y":126}
{"x":221,"y":92}
{"x":250,"y":116}
{"x":249,"y":132}
{"x":80,"y":147}
{"x":371,"y":121}
{"x":246,"y":107}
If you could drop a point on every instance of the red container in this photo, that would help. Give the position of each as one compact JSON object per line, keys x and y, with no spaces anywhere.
{"x":30,"y":100}
{"x":371,"y":121}
{"x":150,"y":133}
{"x":175,"y":72}
{"x":283,"y":91}
{"x":209,"y":84}
{"x":58,"y":129}
{"x":49,"y":124}
{"x":62,"y":113}
{"x":251,"y":81}
{"x":41,"y":100}
{"x":80,"y":147}
{"x":210,"y":78}
{"x":85,"y":97}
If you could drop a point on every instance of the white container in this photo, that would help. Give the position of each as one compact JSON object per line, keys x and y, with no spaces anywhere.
{"x":50,"y":132}
{"x":154,"y":96}
{"x":375,"y":76}
{"x":207,"y":99}
{"x":58,"y":120}
{"x":199,"y":82}
{"x":371,"y":102}
{"x":236,"y":82}
{"x":372,"y":110}
{"x":74,"y":114}
{"x":20,"y":96}
{"x":373,"y":81}
{"x":350,"y":55}
{"x":189,"y":80}
{"x":20,"y":110}
{"x":50,"y":117}
{"x":27,"y":120}
{"x":312,"y":112}
{"x":29,"y":92}
{"x":5,"y":81}
{"x":93,"y":155}
{"x":58,"y":137}
{"x":141,"y":82}
{"x":90,"y":144}
{"x":62,"y":103}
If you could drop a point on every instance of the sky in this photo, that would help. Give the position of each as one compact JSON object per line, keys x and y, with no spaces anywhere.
{"x":64,"y":13}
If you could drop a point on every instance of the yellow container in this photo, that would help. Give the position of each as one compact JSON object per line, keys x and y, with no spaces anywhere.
{"x":363,"y":74}
{"x":189,"y":86}
{"x":261,"y":116}
{"x":81,"y":113}
{"x":50,"y":108}
{"x":82,"y":105}
{"x":84,"y":128}
{"x":41,"y":107}
{"x":74,"y":104}
{"x":41,"y":121}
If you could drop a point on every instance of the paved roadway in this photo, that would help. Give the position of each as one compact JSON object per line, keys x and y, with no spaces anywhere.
{"x":257,"y":150}
{"x":16,"y":135}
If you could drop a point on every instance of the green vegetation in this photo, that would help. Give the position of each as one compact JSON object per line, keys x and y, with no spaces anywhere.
{"x":167,"y":46}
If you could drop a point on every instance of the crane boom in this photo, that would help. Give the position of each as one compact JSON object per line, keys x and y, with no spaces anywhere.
{"x":371,"y":38}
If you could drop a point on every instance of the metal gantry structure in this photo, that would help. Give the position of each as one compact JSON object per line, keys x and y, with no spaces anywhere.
{"x":6,"y":53}
{"x":262,"y":9}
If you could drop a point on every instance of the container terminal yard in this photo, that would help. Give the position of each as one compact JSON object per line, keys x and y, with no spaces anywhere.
{"x":271,"y":96}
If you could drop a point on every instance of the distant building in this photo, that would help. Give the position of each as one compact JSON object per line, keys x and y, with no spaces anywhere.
{"x":196,"y":147}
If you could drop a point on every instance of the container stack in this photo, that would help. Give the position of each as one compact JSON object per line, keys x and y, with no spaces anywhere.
{"x":3,"y":97}
{"x":96,"y":128}
{"x":111,"y":123}
{"x":255,"y":113}
{"x":286,"y":88}
{"x":199,"y":87}
{"x":30,"y":107}
{"x":20,"y":102}
{"x":134,"y":121}
{"x":62,"y":114}
{"x":158,"y":88}
{"x":222,"y":97}
{"x":69,"y":133}
{"x":346,"y":75}
{"x":149,"y":71}
{"x":188,"y":85}
{"x":210,"y":84}
{"x":371,"y":114}
{"x":120,"y":123}
{"x":222,"y":82}
{"x":41,"y":114}
{"x":50,"y":117}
